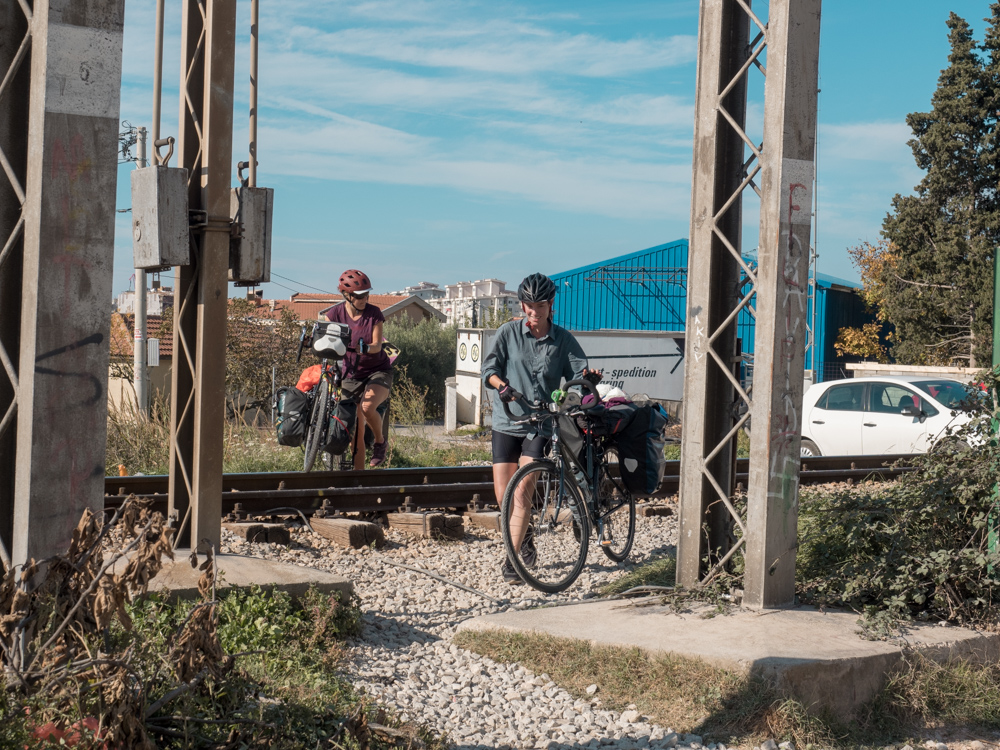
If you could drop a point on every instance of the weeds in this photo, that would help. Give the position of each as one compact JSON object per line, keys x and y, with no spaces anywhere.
{"x":90,"y":660}
{"x":953,"y":693}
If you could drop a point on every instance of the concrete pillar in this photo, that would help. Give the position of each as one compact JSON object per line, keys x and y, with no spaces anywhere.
{"x":783,"y":288}
{"x":450,"y":404}
{"x":69,"y":228}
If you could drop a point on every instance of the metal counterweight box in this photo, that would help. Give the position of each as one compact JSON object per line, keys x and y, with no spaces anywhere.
{"x":160,"y":229}
{"x":250,"y":248}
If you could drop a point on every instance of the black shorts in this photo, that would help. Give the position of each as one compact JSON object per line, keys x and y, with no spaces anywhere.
{"x":355,"y":389}
{"x":507,"y":449}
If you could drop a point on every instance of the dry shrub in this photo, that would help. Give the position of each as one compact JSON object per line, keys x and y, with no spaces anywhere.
{"x":55,"y":621}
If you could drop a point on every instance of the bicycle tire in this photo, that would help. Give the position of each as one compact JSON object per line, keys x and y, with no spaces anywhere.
{"x":616,"y":508}
{"x":556,"y":508}
{"x":317,"y":424}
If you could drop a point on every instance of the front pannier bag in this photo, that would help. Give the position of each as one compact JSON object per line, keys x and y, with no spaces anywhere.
{"x":340,"y":429}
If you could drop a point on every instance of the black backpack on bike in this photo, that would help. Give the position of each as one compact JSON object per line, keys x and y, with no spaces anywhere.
{"x":292,"y":408}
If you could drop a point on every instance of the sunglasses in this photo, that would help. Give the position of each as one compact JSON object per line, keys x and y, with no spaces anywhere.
{"x":362,"y":295}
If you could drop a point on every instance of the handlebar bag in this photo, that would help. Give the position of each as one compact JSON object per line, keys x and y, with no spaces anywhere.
{"x":640,"y":449}
{"x":340,"y":429}
{"x":331,"y":340}
{"x":292,"y":408}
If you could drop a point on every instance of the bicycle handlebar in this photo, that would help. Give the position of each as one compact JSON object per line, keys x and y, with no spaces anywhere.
{"x":539,"y":406}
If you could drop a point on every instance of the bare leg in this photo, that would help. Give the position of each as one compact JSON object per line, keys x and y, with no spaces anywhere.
{"x":502,"y":474}
{"x":374,"y":396}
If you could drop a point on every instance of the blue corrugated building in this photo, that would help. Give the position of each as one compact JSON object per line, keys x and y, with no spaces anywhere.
{"x":647,"y":291}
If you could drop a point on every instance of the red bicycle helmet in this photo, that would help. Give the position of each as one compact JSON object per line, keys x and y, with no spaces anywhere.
{"x":355,"y":281}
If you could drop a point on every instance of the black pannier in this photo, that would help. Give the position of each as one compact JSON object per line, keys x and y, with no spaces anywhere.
{"x":640,"y":449}
{"x":340,"y":428}
{"x":292,"y":408}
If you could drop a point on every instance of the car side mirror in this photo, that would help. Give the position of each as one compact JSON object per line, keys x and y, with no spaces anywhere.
{"x":912,"y":411}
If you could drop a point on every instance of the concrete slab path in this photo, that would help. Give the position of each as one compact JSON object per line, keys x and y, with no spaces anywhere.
{"x":817,"y":657}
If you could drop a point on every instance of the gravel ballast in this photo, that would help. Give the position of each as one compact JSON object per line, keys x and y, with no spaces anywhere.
{"x":405,"y":658}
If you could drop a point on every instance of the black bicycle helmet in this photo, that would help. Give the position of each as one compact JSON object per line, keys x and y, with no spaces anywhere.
{"x":536,"y":288}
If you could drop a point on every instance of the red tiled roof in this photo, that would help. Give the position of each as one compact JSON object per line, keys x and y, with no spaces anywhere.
{"x":123,"y":335}
{"x":309,"y":306}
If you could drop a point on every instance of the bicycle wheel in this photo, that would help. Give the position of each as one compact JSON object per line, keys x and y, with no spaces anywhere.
{"x":554,"y":552}
{"x":317,"y":424}
{"x":616,"y":511}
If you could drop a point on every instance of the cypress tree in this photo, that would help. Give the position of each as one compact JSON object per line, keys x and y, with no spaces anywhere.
{"x":939,"y":296}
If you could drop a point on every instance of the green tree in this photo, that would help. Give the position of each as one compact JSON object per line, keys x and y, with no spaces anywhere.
{"x":939,"y":292}
{"x":427,"y":351}
{"x":256,"y":346}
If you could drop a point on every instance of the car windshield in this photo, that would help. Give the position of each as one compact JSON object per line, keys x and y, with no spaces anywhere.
{"x":948,"y":392}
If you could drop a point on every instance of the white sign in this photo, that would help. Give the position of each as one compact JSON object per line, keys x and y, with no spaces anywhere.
{"x":638,"y":362}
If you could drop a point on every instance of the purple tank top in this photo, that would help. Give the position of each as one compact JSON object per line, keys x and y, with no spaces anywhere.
{"x":360,"y":366}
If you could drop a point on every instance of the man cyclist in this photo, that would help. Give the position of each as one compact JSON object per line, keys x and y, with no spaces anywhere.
{"x":367,"y":373}
{"x":530,"y":357}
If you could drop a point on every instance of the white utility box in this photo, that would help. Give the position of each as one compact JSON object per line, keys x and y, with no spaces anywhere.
{"x":251,"y":209}
{"x":161,"y":236}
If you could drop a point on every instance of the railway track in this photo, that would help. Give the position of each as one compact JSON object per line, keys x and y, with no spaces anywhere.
{"x":458,"y":487}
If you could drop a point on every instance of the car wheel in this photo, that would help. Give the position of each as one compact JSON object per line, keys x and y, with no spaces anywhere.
{"x":809,"y":449}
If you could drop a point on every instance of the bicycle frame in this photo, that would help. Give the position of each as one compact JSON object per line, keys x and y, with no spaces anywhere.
{"x":588,"y":484}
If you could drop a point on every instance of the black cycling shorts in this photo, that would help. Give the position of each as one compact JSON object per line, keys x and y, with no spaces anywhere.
{"x":507,"y":449}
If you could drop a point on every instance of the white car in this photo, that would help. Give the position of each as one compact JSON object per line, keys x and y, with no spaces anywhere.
{"x":886,"y":414}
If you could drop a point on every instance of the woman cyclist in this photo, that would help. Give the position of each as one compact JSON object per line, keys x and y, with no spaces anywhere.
{"x":367,"y":373}
{"x":530,"y":357}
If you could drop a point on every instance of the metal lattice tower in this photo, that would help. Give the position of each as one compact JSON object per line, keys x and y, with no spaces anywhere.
{"x":780,"y":170}
{"x":205,"y":149}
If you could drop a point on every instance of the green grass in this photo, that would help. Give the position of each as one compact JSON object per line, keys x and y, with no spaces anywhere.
{"x":413,"y":450}
{"x":661,"y":572}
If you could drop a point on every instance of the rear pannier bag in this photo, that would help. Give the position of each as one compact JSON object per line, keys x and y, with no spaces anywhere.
{"x":292,"y":407}
{"x":340,"y":429}
{"x":640,"y":449}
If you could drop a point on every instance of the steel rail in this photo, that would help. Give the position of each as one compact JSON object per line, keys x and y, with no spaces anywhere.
{"x":427,"y":488}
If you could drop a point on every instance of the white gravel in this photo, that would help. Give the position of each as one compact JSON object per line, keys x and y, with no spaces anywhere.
{"x":405,"y":657}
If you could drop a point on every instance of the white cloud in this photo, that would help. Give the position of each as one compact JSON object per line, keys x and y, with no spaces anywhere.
{"x":500,"y":47}
{"x":867,"y":141}
{"x":595,"y":185}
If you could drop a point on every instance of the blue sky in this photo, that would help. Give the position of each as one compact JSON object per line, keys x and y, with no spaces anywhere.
{"x":448,"y":140}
